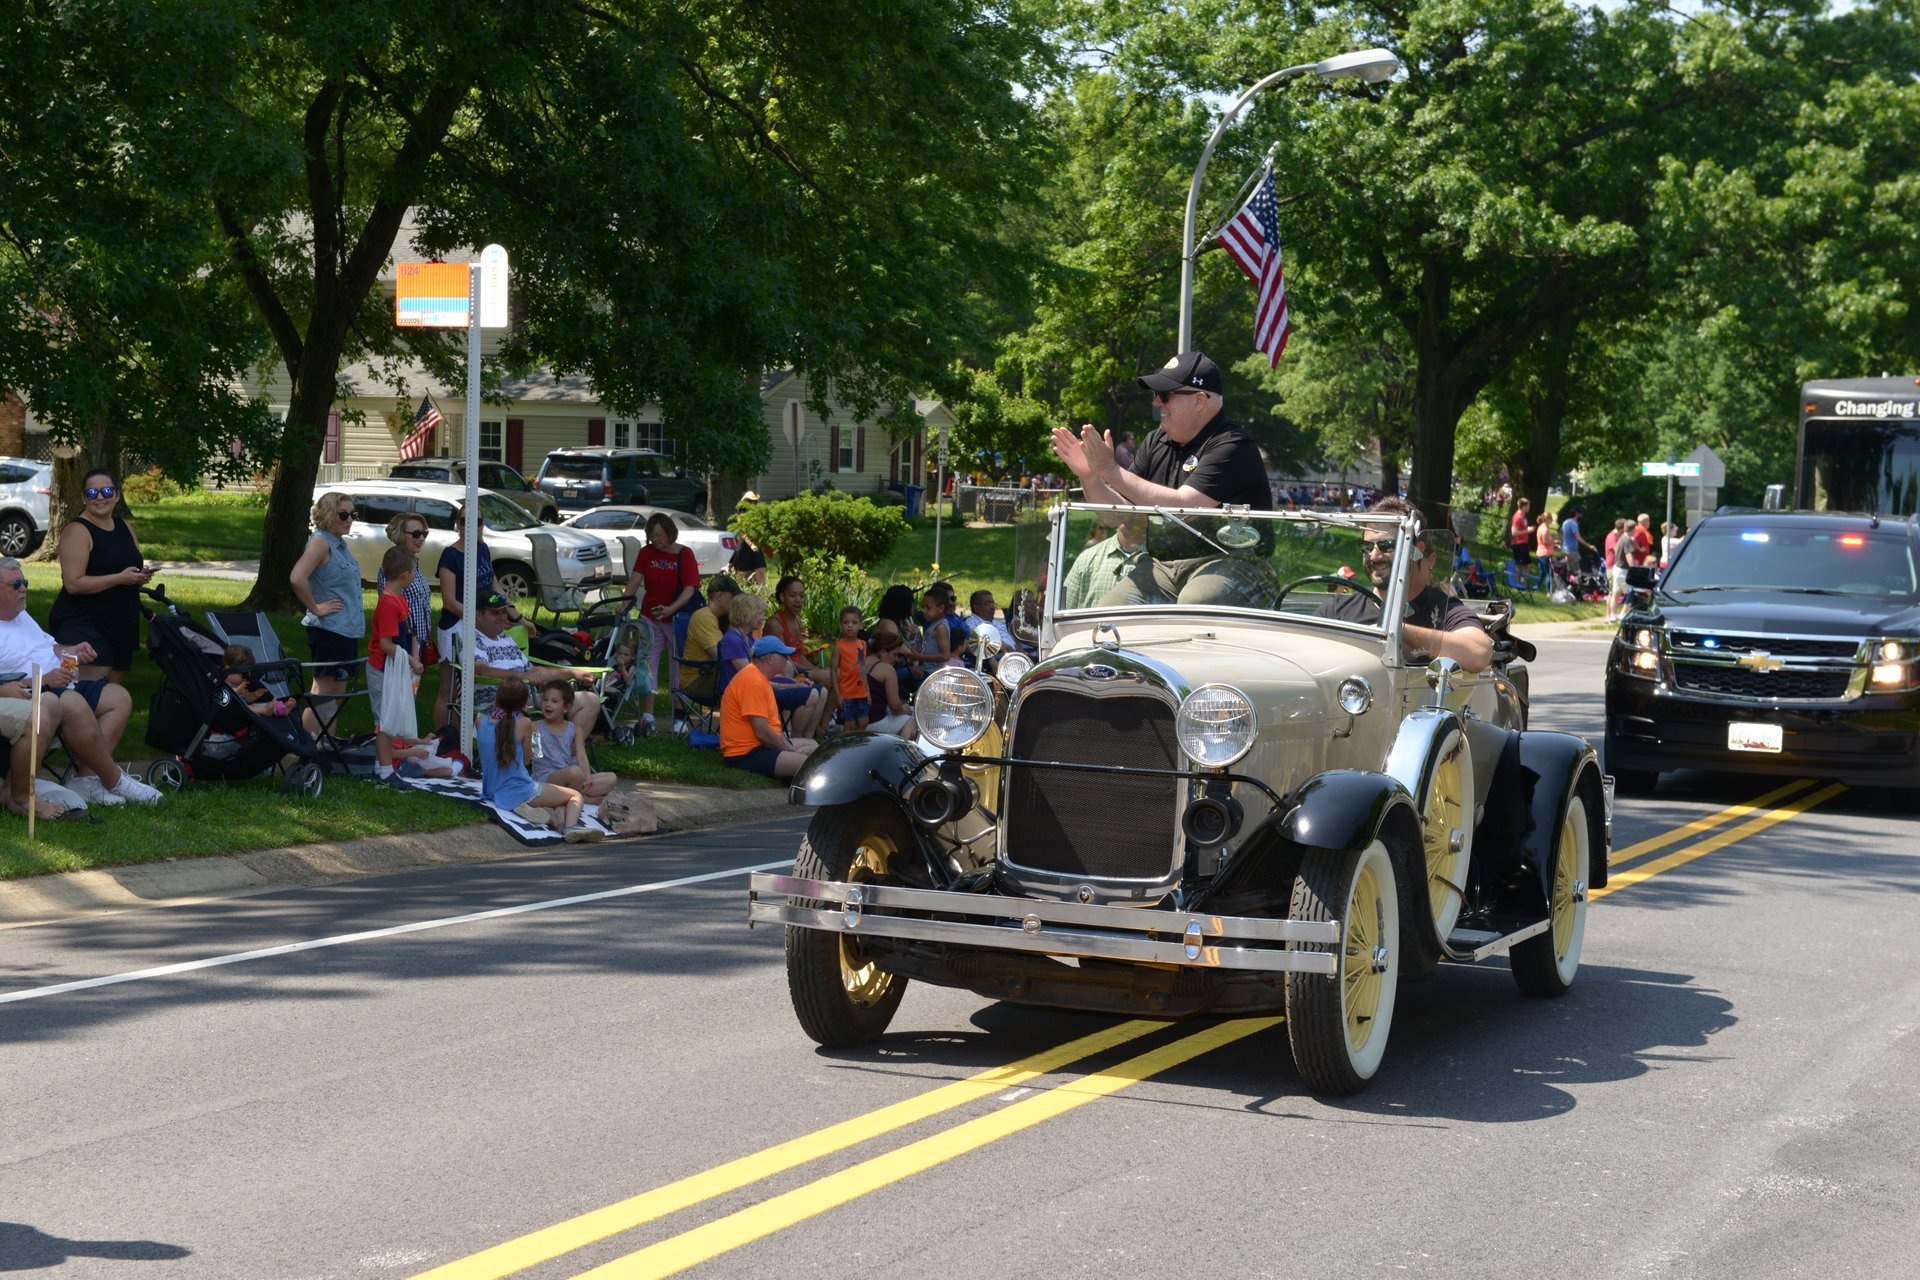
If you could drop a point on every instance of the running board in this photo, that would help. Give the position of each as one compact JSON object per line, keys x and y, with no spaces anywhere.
{"x":1470,"y":945}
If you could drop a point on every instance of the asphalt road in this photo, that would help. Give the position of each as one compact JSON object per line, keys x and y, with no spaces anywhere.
{"x":1726,"y":1092}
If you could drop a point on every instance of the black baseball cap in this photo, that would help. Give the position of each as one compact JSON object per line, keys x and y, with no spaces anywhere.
{"x":493,"y":600}
{"x":1188,"y":369}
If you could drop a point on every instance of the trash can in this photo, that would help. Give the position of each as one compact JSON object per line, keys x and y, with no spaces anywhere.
{"x":915,"y":494}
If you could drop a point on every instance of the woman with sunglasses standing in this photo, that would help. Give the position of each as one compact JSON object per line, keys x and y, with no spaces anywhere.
{"x":101,"y":573}
{"x":326,"y":579}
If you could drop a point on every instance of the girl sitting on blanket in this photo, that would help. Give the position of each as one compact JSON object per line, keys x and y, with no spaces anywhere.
{"x":504,"y":744}
{"x":563,"y":753}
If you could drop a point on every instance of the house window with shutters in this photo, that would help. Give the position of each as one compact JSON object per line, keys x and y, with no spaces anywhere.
{"x":847,"y":441}
{"x":493,"y":444}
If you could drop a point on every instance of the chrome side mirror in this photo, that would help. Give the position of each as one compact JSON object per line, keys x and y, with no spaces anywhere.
{"x":1441,"y":675}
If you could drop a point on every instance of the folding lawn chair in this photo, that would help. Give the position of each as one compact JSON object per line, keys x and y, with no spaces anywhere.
{"x":551,"y":591}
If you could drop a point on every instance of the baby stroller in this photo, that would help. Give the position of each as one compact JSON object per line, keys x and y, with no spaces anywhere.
{"x":207,"y":730}
{"x":601,"y":628}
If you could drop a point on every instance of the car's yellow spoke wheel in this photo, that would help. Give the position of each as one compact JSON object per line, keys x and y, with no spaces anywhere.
{"x":1338,"y":1023}
{"x":1545,"y":965}
{"x":1447,"y":818}
{"x":1359,"y":974}
{"x":865,"y":982}
{"x":843,"y":996}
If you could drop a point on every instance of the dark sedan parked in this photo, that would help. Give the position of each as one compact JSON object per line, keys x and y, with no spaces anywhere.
{"x":1782,"y":643}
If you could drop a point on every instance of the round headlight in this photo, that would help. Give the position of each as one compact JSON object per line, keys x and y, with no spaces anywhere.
{"x":1356,"y":696}
{"x":1012,"y":667}
{"x":954,"y":707}
{"x":1215,"y":725}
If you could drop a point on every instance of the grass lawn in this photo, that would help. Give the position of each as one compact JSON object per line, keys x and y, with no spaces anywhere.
{"x":212,"y":818}
{"x":200,"y":529}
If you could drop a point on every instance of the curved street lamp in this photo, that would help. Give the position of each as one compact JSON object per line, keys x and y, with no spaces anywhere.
{"x":1369,"y":65}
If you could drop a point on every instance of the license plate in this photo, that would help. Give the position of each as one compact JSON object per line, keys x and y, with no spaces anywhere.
{"x":1753,"y":737}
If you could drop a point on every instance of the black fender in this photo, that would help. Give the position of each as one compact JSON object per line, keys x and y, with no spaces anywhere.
{"x":854,"y":765}
{"x":1537,"y":775}
{"x":1344,"y":809}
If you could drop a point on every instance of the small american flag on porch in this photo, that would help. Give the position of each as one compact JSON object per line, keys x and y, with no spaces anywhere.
{"x":420,"y":437}
{"x":1252,"y":239}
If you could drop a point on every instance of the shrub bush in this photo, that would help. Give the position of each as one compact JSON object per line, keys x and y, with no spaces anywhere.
{"x":143,"y":488}
{"x":821,"y":525}
{"x":832,"y":584}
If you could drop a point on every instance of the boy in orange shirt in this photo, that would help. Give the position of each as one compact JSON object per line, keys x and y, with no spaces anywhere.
{"x":750,"y":734}
{"x":850,"y":669}
{"x":391,"y":640}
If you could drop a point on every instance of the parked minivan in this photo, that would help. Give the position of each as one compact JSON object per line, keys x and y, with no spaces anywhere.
{"x":581,"y":478}
{"x":583,"y":557}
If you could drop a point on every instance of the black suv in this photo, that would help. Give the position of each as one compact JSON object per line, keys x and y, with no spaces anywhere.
{"x":497,"y":476}
{"x":1775,"y":643}
{"x":581,"y":478}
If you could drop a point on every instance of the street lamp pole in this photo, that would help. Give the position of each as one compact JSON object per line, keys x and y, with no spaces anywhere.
{"x":1369,"y":65}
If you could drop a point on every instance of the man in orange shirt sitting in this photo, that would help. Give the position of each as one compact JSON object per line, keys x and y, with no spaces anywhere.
{"x":750,"y":733}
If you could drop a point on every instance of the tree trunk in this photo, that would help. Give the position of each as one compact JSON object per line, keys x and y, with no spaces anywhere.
{"x":289,"y":522}
{"x":70,"y":466}
{"x":1389,"y":469}
{"x":1436,"y":418}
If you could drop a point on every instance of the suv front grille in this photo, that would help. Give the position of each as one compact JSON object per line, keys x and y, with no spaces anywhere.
{"x":587,"y":555}
{"x":1735,"y":682}
{"x":1097,"y":826}
{"x":1778,"y":646}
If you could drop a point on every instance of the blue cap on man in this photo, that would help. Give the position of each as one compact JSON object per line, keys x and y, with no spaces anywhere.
{"x":770,"y":644}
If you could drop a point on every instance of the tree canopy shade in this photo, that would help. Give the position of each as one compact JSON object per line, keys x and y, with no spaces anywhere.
{"x":693,"y":192}
{"x":116,"y":322}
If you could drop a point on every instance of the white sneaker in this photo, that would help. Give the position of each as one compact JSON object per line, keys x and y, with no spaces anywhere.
{"x":131,"y":788}
{"x":92,"y":790}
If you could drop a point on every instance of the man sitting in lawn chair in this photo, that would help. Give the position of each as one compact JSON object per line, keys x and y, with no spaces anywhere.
{"x":497,"y":655}
{"x":89,"y":715}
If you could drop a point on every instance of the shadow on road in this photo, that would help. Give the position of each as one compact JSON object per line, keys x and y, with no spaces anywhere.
{"x":1467,"y":1047}
{"x":24,"y":1248}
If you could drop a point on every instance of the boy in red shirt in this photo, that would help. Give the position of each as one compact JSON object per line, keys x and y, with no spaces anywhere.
{"x":391,"y":638}
{"x":850,"y":669}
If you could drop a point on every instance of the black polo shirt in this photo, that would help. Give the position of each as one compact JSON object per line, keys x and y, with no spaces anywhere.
{"x":1222,"y":462}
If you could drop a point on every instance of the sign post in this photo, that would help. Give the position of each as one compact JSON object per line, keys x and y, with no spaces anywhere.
{"x":470,"y":296}
{"x":939,"y":489}
{"x":1669,"y":469}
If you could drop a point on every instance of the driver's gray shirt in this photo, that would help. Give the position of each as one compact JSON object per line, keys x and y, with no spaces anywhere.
{"x":1432,"y":608}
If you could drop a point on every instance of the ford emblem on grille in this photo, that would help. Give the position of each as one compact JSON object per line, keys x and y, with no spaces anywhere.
{"x":1098,"y":671}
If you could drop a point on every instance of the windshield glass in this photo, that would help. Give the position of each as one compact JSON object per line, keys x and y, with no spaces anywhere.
{"x":1305,"y":565}
{"x":564,"y":468}
{"x":503,"y":515}
{"x":1763,"y":555}
{"x":1848,"y":465}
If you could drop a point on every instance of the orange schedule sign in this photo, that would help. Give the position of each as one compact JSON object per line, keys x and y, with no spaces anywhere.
{"x":431,"y":295}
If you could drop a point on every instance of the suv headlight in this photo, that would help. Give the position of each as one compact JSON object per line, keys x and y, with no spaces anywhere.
{"x":1640,"y":648}
{"x":1215,"y":725}
{"x":953,"y":708}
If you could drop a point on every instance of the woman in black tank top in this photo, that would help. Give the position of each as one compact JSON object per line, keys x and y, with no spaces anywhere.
{"x":101,"y":573}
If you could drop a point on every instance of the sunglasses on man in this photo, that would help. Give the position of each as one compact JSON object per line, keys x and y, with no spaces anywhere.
{"x":19,"y":584}
{"x":1161,"y":397}
{"x":1379,"y":546}
{"x":96,"y":492}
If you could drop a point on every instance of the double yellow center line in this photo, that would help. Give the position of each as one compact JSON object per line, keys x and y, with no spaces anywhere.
{"x":757,"y":1221}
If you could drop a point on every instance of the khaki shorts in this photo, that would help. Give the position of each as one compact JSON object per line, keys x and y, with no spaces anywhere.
{"x":16,"y":714}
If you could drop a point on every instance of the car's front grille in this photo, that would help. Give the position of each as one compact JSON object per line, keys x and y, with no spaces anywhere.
{"x":1778,"y":646}
{"x":1739,"y":683}
{"x":1100,"y":826}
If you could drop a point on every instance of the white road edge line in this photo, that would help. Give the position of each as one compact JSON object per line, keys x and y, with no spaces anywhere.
{"x":341,"y":939}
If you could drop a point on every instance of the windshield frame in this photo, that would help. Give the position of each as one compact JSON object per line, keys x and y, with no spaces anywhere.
{"x":1059,"y":561}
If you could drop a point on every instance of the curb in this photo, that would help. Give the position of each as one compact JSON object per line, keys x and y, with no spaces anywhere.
{"x":70,"y":894}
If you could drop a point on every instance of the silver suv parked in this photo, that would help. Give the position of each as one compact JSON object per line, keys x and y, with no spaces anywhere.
{"x":24,"y":489}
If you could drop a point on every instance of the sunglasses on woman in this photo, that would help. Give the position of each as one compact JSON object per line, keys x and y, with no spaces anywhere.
{"x":96,"y":492}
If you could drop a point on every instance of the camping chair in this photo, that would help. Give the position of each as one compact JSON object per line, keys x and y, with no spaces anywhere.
{"x":691,"y":713}
{"x":551,"y":591}
{"x":254,"y":632}
{"x":1524,"y":587}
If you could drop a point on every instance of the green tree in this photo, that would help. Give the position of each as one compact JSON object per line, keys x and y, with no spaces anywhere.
{"x":693,"y":192}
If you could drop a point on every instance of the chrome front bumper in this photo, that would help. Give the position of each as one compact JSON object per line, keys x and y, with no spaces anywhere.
{"x":994,"y":923}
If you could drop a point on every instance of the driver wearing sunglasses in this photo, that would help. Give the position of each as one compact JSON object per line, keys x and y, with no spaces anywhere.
{"x":1436,"y":625}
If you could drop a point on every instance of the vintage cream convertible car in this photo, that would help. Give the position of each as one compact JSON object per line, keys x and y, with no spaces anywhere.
{"x":1242,"y":804}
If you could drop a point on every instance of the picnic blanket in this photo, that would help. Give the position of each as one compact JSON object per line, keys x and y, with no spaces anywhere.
{"x":533,"y":835}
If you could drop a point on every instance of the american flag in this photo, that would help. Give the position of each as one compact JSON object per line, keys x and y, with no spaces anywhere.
{"x":1252,"y":239}
{"x":417,"y":440}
